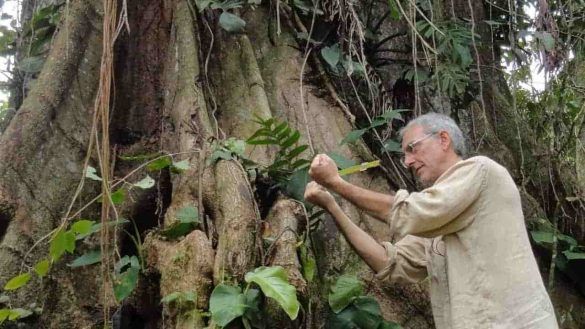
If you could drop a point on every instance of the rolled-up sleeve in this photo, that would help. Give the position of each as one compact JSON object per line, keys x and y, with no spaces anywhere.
{"x":436,"y":210}
{"x":407,"y":260}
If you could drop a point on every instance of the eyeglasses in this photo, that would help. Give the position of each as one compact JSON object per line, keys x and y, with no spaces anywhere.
{"x":411,"y":148}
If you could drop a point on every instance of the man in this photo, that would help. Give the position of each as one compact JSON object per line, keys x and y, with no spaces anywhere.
{"x":465,"y":231}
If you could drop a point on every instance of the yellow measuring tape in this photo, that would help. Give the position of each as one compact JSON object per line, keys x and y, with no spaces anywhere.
{"x":357,"y":168}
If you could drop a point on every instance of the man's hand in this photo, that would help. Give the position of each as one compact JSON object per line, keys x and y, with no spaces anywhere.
{"x":318,"y":195}
{"x":324,"y":171}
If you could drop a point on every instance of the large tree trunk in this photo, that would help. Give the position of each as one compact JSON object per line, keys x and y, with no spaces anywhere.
{"x":180,"y":82}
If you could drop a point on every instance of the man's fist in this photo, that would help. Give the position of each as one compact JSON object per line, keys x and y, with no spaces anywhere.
{"x":324,"y":171}
{"x":318,"y":195}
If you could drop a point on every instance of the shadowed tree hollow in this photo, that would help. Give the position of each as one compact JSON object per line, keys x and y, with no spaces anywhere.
{"x":155,"y":165}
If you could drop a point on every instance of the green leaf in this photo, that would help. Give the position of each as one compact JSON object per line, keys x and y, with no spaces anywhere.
{"x":267,"y":141}
{"x":171,"y":297}
{"x":392,"y":146}
{"x":236,"y":146}
{"x":231,"y":22}
{"x":145,"y":183}
{"x":63,"y":241}
{"x":542,"y":237}
{"x":344,"y":291}
{"x":341,"y":161}
{"x":394,"y":12}
{"x":574,"y":255}
{"x":331,"y":55}
{"x":274,"y":284}
{"x":219,"y":154}
{"x":19,"y":313}
{"x":4,"y":313}
{"x":90,"y":173}
{"x":92,"y":257}
{"x":160,"y":163}
{"x":126,"y":281}
{"x":464,"y":55}
{"x":296,"y":151}
{"x":295,"y":187}
{"x":119,"y":196}
{"x":181,"y":165}
{"x":187,"y":220}
{"x":42,"y":267}
{"x":17,"y":281}
{"x":82,"y":226}
{"x":98,"y":226}
{"x":308,"y":263}
{"x":188,"y":214}
{"x":31,"y":64}
{"x":226,"y":303}
{"x":253,"y":314}
{"x":363,"y":313}
{"x":353,"y":136}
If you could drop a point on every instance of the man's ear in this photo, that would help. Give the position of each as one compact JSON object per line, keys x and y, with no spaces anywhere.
{"x":445,"y":140}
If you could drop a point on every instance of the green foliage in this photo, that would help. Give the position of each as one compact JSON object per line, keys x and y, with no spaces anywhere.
{"x":308,"y":263}
{"x":231,"y":23}
{"x":17,"y":282}
{"x":344,"y":291}
{"x":387,"y":118}
{"x":92,"y":257}
{"x":453,"y":41}
{"x":274,"y":284}
{"x":230,"y":149}
{"x":228,"y":302}
{"x":13,"y":314}
{"x":353,"y":310}
{"x":288,"y":170}
{"x":181,"y":299}
{"x":126,"y":273}
{"x":339,"y":63}
{"x":187,"y":219}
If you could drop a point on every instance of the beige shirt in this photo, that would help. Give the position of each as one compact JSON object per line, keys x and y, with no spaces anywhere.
{"x":467,"y":234}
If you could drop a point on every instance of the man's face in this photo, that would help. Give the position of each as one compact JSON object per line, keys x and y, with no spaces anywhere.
{"x":424,"y":153}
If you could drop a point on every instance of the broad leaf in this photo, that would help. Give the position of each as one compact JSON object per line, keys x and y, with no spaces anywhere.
{"x":353,"y":136}
{"x":42,"y":268}
{"x":274,"y":284}
{"x":187,"y":220}
{"x":119,"y":196}
{"x":90,"y":173}
{"x":331,"y":55}
{"x":226,"y":303}
{"x":82,"y":227}
{"x":295,"y":187}
{"x":17,"y":281}
{"x":308,"y":263}
{"x":160,"y":163}
{"x":363,"y":313}
{"x":63,"y":241}
{"x":574,"y":255}
{"x":145,"y":183}
{"x":341,"y":161}
{"x":344,"y":291}
{"x":392,"y":146}
{"x":236,"y":146}
{"x":231,"y":22}
{"x":98,"y":226}
{"x":92,"y":257}
{"x":252,"y":314}
{"x":541,"y":237}
{"x":126,"y":281}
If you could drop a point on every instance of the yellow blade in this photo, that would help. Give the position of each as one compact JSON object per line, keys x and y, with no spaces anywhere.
{"x":361,"y":167}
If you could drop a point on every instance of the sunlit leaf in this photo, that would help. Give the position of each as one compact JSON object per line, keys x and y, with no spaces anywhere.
{"x":42,"y":268}
{"x":145,"y":183}
{"x":17,"y":281}
{"x":226,"y":303}
{"x":90,"y":173}
{"x":274,"y":284}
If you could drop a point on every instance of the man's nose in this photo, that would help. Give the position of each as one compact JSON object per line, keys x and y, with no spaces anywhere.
{"x":408,"y":159}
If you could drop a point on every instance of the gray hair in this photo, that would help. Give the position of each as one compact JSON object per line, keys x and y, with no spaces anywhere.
{"x":434,"y":123}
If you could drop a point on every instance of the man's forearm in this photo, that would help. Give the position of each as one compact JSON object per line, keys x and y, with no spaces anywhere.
{"x":377,"y":204}
{"x":367,"y":248}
